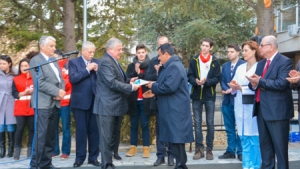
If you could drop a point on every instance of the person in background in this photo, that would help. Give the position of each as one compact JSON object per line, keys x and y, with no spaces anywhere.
{"x":31,"y":54}
{"x":7,"y":101}
{"x":246,"y":124}
{"x":22,"y":89}
{"x":151,"y":75}
{"x":173,"y":99}
{"x":204,"y":74}
{"x":64,"y":112}
{"x":139,"y":107}
{"x":228,"y":72}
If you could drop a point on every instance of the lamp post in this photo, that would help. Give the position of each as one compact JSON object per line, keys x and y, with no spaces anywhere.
{"x":84,"y":20}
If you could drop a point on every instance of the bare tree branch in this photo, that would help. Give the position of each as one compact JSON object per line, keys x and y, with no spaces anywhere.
{"x":37,"y":16}
{"x":58,"y":8}
{"x":251,"y":3}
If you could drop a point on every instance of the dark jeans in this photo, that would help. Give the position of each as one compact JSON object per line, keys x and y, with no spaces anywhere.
{"x":46,"y":138}
{"x":160,"y":145}
{"x":21,"y":124}
{"x":233,"y":139}
{"x":65,"y":114}
{"x":210,"y":112}
{"x":134,"y":125}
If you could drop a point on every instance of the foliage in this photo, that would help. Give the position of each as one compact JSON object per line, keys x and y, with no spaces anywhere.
{"x":187,"y":22}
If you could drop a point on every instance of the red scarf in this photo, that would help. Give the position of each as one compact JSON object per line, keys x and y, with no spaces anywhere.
{"x":203,"y":59}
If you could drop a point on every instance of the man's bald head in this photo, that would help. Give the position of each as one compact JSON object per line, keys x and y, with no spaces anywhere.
{"x":271,"y":40}
{"x":162,"y":40}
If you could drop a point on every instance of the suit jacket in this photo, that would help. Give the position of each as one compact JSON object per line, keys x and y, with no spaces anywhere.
{"x":226,"y":78}
{"x":112,"y":89}
{"x":49,"y":85}
{"x":83,"y":83}
{"x":276,"y":99}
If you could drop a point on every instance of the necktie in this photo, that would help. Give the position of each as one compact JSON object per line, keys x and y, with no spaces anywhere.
{"x":121,"y":70}
{"x":231,"y":70}
{"x":262,"y":75}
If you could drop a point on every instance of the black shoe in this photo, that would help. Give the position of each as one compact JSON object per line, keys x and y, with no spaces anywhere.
{"x":159,"y":161}
{"x":95,"y":163}
{"x":117,"y":157}
{"x":227,"y":155}
{"x":240,"y":157}
{"x":170,"y":160}
{"x":77,"y":164}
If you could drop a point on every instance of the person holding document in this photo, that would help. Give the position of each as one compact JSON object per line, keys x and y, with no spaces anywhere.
{"x":243,"y":106}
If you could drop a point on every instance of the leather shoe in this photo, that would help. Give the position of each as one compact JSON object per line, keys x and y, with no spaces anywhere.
{"x":240,"y":157}
{"x":159,"y":161}
{"x":117,"y":157}
{"x":170,"y":160}
{"x":77,"y":164}
{"x":95,"y":163}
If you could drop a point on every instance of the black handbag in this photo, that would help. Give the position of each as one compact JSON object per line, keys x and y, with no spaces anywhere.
{"x":248,"y":99}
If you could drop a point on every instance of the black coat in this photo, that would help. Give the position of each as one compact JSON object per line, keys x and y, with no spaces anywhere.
{"x":132,"y":98}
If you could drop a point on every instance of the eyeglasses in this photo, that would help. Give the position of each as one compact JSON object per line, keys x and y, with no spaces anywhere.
{"x":262,"y":45}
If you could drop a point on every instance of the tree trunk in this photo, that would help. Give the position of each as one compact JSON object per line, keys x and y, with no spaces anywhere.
{"x":265,"y":19}
{"x":69,"y":26}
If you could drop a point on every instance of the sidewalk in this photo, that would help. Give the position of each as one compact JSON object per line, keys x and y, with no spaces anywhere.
{"x":5,"y":163}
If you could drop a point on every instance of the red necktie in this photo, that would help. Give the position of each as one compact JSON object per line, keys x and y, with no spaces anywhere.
{"x":262,"y":75}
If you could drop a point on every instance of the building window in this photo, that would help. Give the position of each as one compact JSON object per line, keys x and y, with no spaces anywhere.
{"x":288,"y":15}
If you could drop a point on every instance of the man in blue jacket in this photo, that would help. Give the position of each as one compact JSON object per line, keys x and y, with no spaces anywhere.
{"x":228,"y":72}
{"x":204,"y":74}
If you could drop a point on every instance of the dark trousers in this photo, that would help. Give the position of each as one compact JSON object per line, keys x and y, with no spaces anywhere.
{"x":180,"y":155}
{"x":273,"y":138}
{"x":86,"y":133}
{"x":109,"y":127}
{"x":21,"y":124}
{"x":45,"y":139}
{"x":160,"y":145}
{"x":117,"y":137}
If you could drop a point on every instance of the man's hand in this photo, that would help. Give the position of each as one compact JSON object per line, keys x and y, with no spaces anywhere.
{"x":294,"y":79}
{"x":234,"y":85}
{"x":133,"y":79}
{"x":137,"y":68}
{"x":149,"y":85}
{"x":61,"y":94}
{"x":135,"y":87}
{"x":92,"y":66}
{"x":227,"y":91}
{"x":156,"y":67}
{"x":254,"y":79}
{"x":200,"y":82}
{"x":148,"y":94}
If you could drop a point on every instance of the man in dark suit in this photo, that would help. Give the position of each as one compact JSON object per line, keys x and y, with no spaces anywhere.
{"x":111,"y":100}
{"x":50,"y":92}
{"x":273,"y":104}
{"x":82,"y":73}
{"x":228,"y":71}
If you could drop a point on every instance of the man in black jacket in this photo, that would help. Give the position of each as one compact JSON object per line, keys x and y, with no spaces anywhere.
{"x":204,"y":74}
{"x":151,"y":75}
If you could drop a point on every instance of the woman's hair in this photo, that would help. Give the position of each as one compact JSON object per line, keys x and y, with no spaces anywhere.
{"x":7,"y":59}
{"x":254,"y":46}
{"x":31,"y":54}
{"x":23,"y":60}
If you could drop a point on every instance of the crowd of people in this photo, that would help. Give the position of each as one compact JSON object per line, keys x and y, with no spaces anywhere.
{"x":257,"y":102}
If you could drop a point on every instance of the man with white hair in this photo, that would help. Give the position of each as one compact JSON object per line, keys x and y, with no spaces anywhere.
{"x":82,"y":74}
{"x":273,"y":104}
{"x":50,"y":92}
{"x":111,"y":100}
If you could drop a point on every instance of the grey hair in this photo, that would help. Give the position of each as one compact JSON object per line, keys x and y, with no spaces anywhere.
{"x":112,"y":42}
{"x":45,"y":39}
{"x":272,"y":40}
{"x":163,"y":37}
{"x":87,"y":44}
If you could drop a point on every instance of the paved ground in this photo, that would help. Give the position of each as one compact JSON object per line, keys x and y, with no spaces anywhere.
{"x":139,"y":162}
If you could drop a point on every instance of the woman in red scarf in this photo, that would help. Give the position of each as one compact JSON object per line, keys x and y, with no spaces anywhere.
{"x":22,"y":89}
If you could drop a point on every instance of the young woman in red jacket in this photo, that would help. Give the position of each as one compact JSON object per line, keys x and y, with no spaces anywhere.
{"x":21,"y":90}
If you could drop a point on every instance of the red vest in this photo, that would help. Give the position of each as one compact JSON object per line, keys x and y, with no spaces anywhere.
{"x":22,"y":105}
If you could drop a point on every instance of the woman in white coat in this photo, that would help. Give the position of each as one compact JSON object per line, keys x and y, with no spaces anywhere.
{"x":243,"y":106}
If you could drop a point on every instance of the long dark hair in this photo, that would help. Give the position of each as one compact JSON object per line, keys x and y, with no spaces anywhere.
{"x":23,"y":60}
{"x":7,"y":59}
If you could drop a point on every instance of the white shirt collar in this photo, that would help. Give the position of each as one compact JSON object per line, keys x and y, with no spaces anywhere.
{"x":273,"y":57}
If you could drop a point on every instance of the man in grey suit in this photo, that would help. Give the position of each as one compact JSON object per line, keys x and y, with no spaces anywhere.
{"x":50,"y":92}
{"x":111,"y":100}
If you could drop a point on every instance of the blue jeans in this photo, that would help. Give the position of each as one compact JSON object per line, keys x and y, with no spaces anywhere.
{"x":210,"y":112}
{"x":8,"y":127}
{"x":65,"y":114}
{"x":134,"y":125}
{"x":233,"y":140}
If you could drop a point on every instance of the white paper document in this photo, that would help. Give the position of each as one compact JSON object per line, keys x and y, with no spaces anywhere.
{"x":141,"y":82}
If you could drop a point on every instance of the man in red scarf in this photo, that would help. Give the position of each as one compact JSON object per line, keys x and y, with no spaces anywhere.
{"x":204,"y":74}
